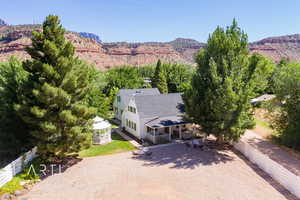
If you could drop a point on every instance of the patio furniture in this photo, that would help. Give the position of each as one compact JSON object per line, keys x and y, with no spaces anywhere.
{"x":149,"y":153}
{"x":138,"y":153}
{"x":142,"y":152}
{"x":187,"y":144}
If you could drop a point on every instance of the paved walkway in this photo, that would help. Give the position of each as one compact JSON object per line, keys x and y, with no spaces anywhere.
{"x":173,"y":172}
{"x":126,"y":137}
{"x":273,"y":151}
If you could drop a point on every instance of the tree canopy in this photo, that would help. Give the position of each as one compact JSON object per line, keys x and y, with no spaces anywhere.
{"x":126,"y":77}
{"x":171,"y":78}
{"x":223,"y":84}
{"x":287,"y":90}
{"x":53,"y":103}
{"x":14,"y":135}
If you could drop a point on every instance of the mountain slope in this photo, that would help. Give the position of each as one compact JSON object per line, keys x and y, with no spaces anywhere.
{"x":14,"y":39}
{"x":3,"y":23}
{"x":278,"y":47}
{"x":91,"y":36}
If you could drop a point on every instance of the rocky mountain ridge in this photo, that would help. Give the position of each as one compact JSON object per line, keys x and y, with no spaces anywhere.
{"x":14,"y":39}
{"x":3,"y":23}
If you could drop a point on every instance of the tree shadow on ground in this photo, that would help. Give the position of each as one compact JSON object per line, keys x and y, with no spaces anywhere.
{"x":277,"y":186}
{"x":180,"y":156}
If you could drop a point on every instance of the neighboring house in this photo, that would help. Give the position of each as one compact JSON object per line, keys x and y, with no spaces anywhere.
{"x":265,"y":97}
{"x":155,"y":117}
{"x":124,"y":95}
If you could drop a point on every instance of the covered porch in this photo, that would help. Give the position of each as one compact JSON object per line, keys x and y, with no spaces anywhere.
{"x":162,"y":130}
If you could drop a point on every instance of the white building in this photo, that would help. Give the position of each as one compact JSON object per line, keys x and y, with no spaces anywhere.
{"x":101,"y":131}
{"x":154,"y":117}
{"x":123,"y":97}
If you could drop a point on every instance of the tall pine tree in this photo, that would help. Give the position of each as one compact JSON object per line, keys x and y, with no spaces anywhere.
{"x":162,"y":84}
{"x":53,"y":101}
{"x":219,"y":99}
{"x":158,"y":69}
{"x":159,"y":79}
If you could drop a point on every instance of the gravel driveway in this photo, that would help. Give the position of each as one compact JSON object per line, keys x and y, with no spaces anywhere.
{"x":173,"y":172}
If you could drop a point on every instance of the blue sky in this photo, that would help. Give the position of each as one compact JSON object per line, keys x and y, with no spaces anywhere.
{"x":160,"y":20}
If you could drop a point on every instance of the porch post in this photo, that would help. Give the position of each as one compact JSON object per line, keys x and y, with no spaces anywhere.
{"x":154,"y":139}
{"x":170,"y":133}
{"x":180,"y":136}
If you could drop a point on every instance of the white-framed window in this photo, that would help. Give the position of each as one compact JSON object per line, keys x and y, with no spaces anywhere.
{"x":130,"y":124}
{"x":131,"y":109}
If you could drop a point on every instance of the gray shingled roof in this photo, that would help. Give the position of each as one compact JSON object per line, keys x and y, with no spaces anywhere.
{"x":140,"y":91}
{"x":151,"y":106}
{"x":126,"y":94}
{"x":166,"y":121}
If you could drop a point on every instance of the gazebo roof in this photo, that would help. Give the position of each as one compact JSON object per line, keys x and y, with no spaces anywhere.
{"x":100,"y":123}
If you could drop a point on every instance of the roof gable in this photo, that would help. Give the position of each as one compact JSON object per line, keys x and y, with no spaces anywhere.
{"x":127,"y":94}
{"x":149,"y":106}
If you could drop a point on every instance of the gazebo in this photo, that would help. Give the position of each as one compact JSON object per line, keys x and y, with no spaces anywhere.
{"x":102,"y":131}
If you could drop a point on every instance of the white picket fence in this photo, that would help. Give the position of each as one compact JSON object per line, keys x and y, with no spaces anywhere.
{"x":15,"y":167}
{"x":279,"y":173}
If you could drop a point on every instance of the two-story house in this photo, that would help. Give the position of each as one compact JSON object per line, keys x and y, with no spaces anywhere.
{"x":124,"y":95}
{"x":155,"y":117}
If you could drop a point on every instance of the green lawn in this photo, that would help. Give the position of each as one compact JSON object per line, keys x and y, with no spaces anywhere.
{"x":262,"y":123}
{"x":117,"y":145}
{"x":26,"y":175}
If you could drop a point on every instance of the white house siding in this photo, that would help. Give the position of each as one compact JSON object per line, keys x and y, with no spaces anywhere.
{"x":116,"y":106}
{"x":143,"y":127}
{"x":120,"y":107}
{"x":132,"y":117}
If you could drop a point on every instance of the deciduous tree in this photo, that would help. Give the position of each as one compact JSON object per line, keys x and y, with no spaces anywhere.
{"x":222,"y":86}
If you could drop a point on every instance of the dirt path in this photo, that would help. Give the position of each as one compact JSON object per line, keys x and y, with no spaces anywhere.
{"x":173,"y":172}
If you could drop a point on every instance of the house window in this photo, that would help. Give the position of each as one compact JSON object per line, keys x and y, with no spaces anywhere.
{"x":149,"y":129}
{"x":131,"y":124}
{"x":118,"y":98}
{"x":131,"y":109}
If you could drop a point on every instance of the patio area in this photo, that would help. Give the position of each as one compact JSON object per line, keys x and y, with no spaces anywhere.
{"x":172,"y":172}
{"x":167,"y":133}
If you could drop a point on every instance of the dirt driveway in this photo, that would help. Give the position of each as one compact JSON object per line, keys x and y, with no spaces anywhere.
{"x":173,"y":172}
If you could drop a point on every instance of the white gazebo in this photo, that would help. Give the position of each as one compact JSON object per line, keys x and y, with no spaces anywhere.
{"x":102,"y":131}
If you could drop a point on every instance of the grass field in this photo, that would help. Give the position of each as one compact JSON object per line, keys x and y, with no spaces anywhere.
{"x":117,"y":145}
{"x":262,"y":123}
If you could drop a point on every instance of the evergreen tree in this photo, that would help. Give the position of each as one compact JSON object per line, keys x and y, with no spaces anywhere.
{"x":221,"y":88}
{"x":159,"y":79}
{"x":53,"y":102}
{"x":162,"y":84}
{"x":158,"y":69}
